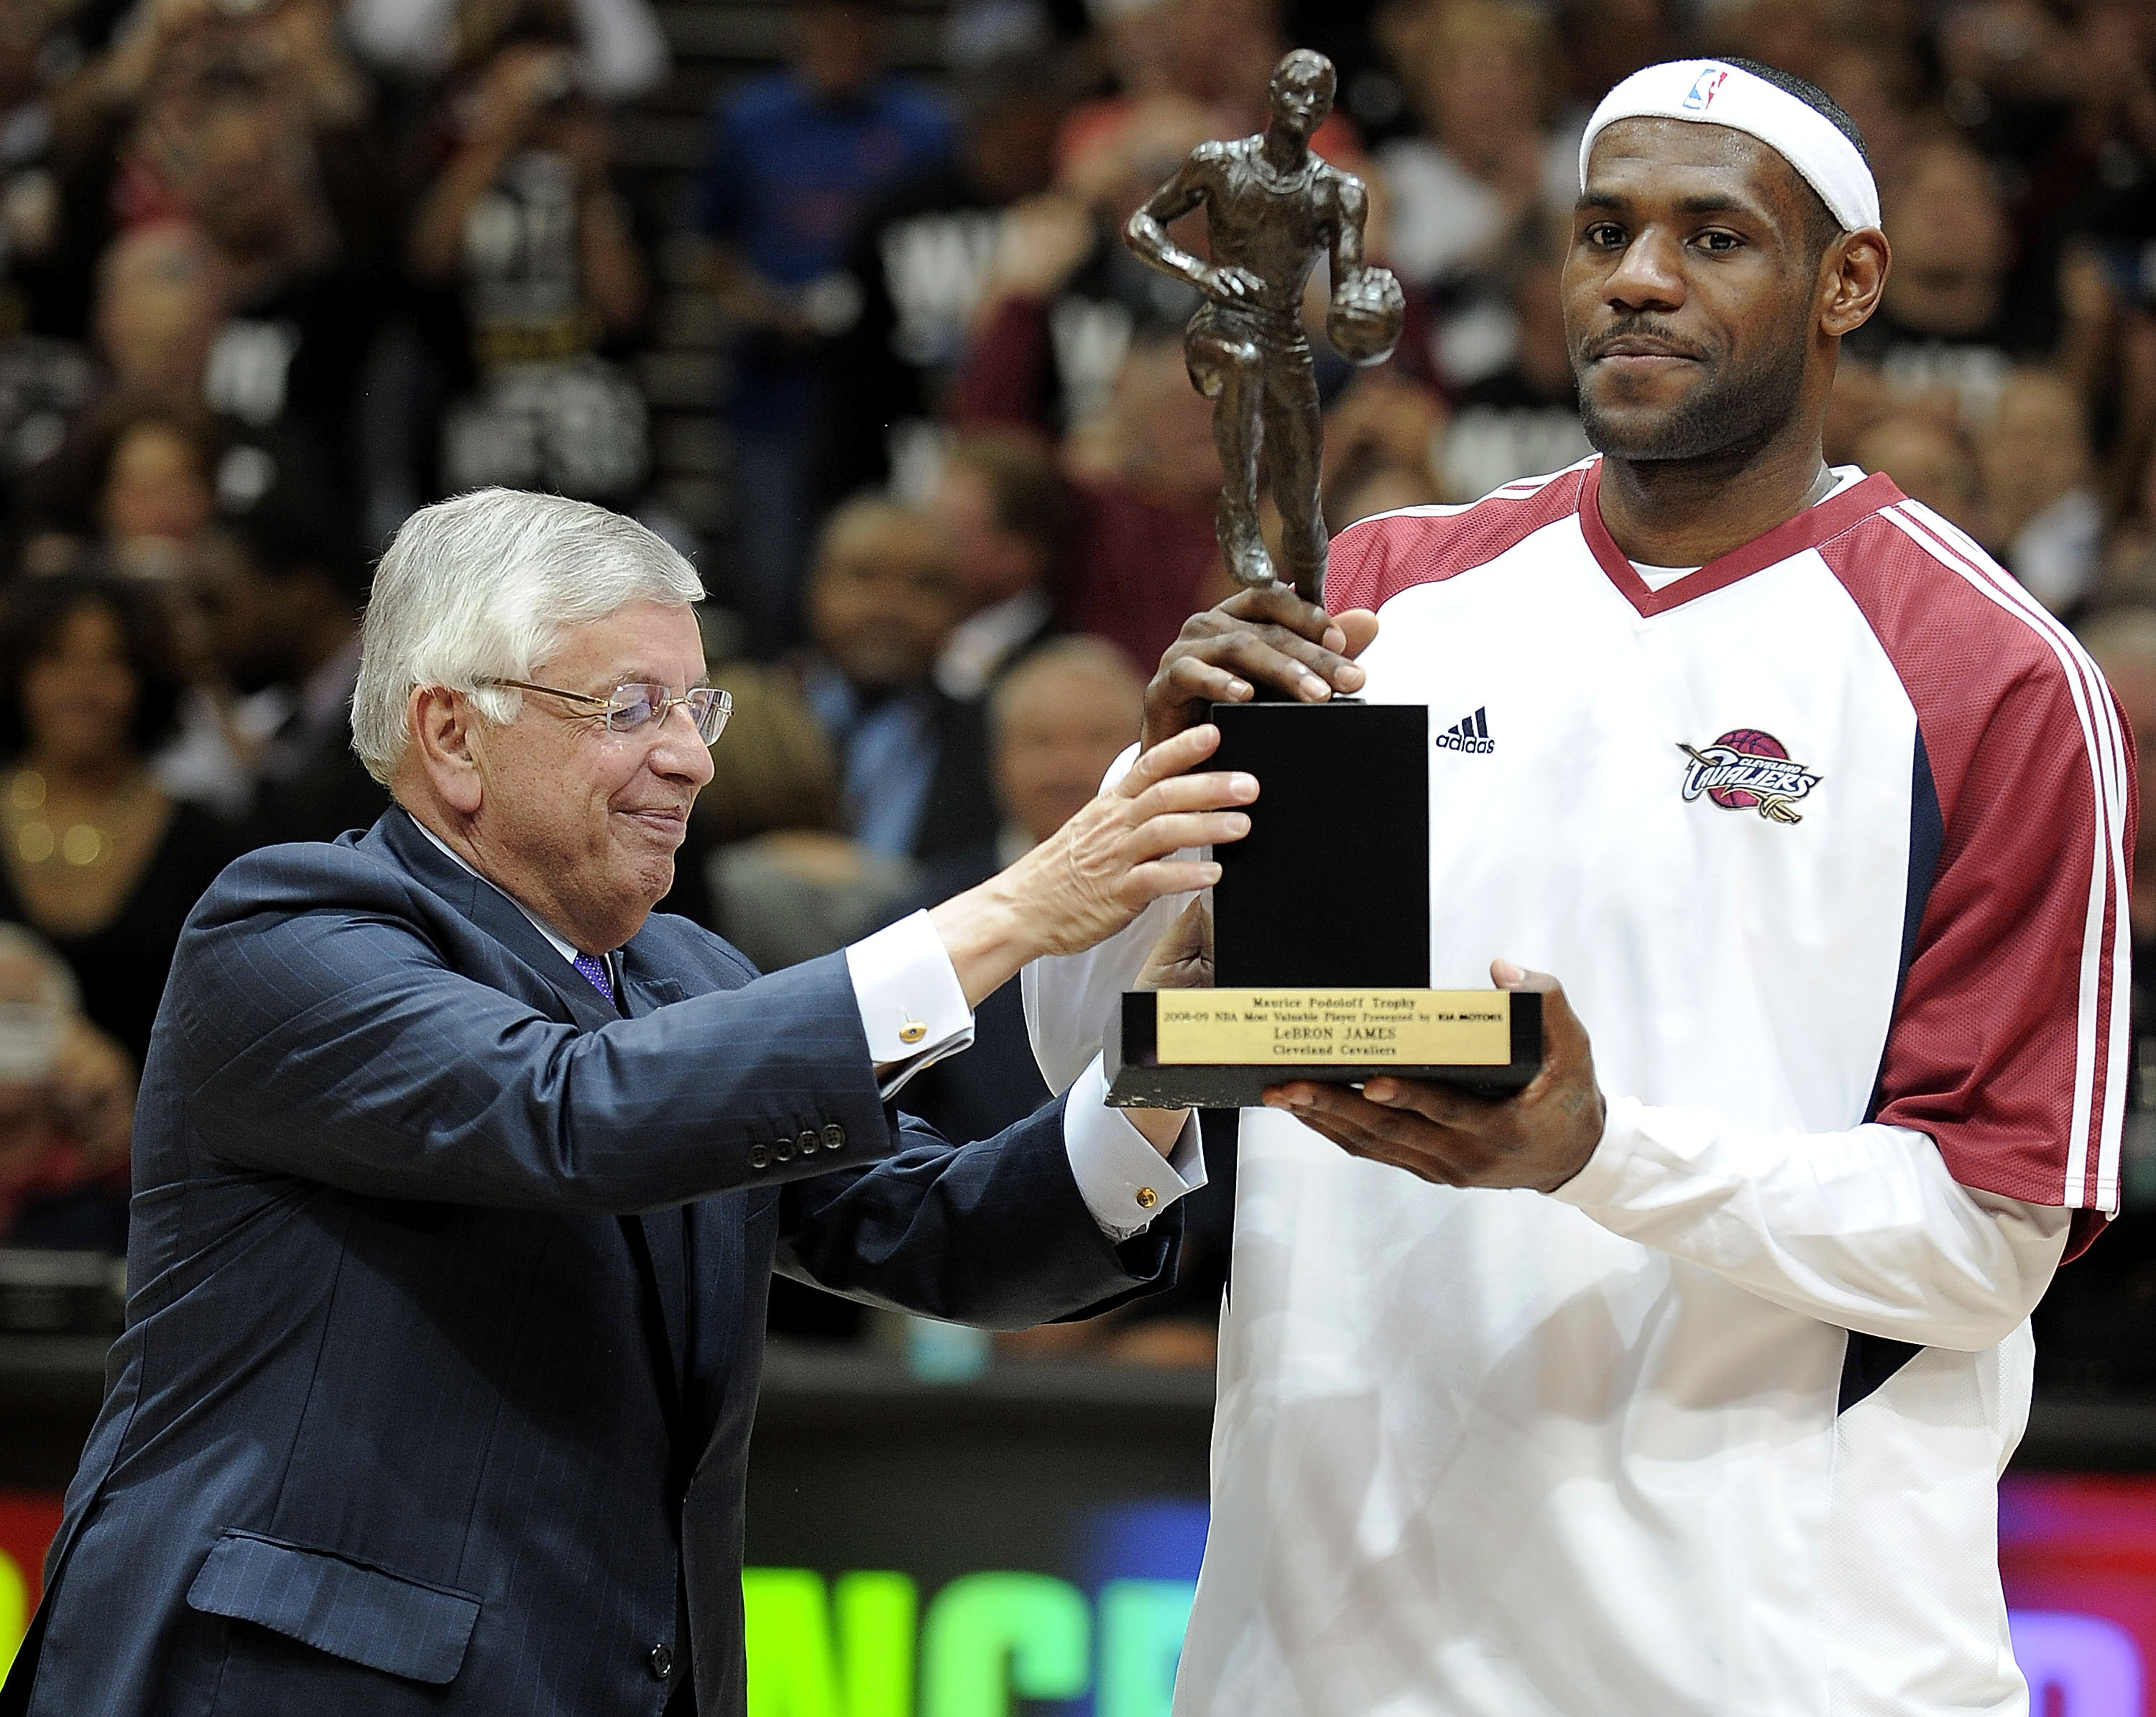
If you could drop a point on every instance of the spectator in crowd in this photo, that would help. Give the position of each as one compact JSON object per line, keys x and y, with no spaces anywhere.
{"x":776,"y":770}
{"x":881,"y":602}
{"x":2043,"y":518}
{"x":1003,"y":514}
{"x":283,"y":611}
{"x":1382,"y":437}
{"x":1523,"y":418}
{"x":1064,"y":296}
{"x":67,"y":1108}
{"x":917,"y":264}
{"x":1218,"y":53}
{"x":94,"y":855}
{"x":33,"y":47}
{"x":522,"y":227}
{"x":791,"y":164}
{"x":1056,"y":721}
{"x":253,"y":124}
{"x":785,"y":882}
{"x":1930,"y":459}
{"x":620,"y":49}
{"x":1600,"y":42}
{"x":1955,"y":317}
{"x":1148,"y":479}
{"x":1463,"y":199}
{"x":45,"y":377}
{"x":134,"y":488}
{"x":1385,"y":488}
{"x":160,"y":328}
{"x":1875,"y":80}
{"x":160,"y":300}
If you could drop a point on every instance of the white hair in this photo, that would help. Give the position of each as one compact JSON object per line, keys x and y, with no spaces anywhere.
{"x":482,"y":587}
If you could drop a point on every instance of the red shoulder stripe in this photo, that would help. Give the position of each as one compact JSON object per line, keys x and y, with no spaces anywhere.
{"x":1376,"y":558}
{"x":2008,"y":1043}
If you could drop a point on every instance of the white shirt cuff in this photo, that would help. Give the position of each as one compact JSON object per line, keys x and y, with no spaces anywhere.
{"x":1125,"y":1182}
{"x":913,"y":1009}
{"x":1611,"y":1172}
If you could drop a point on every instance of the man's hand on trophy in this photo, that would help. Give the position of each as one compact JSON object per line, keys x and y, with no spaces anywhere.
{"x":1268,"y":638}
{"x":1539,"y":1137}
{"x":1228,"y":284}
{"x":1119,"y":852}
{"x":1183,"y":958}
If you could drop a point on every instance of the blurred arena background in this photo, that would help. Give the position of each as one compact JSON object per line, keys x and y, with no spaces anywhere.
{"x":830,"y":295}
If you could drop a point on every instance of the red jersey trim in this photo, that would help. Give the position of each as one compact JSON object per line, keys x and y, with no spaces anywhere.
{"x":1368,"y":565}
{"x":2008,"y":1043}
{"x":1808,"y":529}
{"x":2103,"y":1004}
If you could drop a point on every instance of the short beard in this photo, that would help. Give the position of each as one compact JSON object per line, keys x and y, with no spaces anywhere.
{"x":1732,"y":413}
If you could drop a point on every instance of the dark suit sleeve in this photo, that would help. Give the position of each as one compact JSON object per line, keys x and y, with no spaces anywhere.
{"x":993,"y":1233}
{"x":339,"y":1046}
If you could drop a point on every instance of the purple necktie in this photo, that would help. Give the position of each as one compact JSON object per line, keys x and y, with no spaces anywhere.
{"x":594,"y":968}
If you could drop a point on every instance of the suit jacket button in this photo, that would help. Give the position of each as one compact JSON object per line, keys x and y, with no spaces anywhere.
{"x":782,"y":1149}
{"x":759,"y":1157}
{"x":662,"y":1662}
{"x":834,"y":1135}
{"x":808,"y":1142}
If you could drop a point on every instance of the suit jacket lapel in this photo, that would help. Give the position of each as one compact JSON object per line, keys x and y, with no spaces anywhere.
{"x":664,"y":1232}
{"x":494,"y":913}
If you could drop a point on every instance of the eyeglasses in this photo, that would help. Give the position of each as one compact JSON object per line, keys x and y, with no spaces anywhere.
{"x":631,"y":709}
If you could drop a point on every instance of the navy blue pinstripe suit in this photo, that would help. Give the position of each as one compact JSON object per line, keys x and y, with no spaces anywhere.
{"x":447,"y":1292}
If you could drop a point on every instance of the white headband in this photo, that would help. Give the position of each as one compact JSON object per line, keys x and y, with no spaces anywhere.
{"x":1711,"y":93}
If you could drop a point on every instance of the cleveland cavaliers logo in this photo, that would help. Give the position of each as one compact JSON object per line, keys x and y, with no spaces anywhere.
{"x":1745,"y":770}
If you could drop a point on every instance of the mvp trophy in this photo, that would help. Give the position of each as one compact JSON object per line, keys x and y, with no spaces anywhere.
{"x":1321,"y":914}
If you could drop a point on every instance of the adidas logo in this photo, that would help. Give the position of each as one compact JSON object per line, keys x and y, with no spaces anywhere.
{"x":1468,"y":733}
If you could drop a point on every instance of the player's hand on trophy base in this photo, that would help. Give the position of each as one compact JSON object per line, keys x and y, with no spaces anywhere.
{"x":1103,"y":868}
{"x":1539,"y":1137}
{"x":1183,"y":958}
{"x":1270,"y":638}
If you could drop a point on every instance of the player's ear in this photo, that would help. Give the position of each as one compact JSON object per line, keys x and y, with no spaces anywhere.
{"x":1852,"y":275}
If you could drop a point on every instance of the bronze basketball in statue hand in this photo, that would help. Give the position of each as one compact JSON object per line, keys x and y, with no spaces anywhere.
{"x":1365,"y":317}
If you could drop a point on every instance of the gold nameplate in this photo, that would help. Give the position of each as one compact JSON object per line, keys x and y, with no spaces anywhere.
{"x":1417,"y":1028}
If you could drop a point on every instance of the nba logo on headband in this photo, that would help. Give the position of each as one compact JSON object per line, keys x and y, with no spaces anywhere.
{"x":1706,"y":87}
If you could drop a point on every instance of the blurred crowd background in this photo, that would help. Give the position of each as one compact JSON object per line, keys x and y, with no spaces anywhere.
{"x":830,"y":295}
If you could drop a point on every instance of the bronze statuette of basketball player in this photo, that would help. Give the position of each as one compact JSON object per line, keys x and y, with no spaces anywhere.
{"x":1271,"y":208}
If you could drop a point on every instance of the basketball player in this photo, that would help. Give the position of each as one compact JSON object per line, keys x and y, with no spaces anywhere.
{"x":1679,"y":1383}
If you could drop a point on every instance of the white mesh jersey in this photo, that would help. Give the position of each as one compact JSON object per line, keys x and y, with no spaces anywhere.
{"x":1827,"y":842}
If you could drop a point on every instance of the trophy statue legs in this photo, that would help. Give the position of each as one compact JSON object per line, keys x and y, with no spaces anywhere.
{"x":1291,"y":449}
{"x":1230,"y":372}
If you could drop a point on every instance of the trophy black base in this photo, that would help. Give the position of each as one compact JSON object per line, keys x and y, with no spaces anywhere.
{"x":1139,"y":1076}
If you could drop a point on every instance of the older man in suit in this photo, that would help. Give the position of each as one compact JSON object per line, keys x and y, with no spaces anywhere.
{"x":459,"y":1178}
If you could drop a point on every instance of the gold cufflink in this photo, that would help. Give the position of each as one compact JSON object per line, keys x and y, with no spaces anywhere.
{"x":1147,"y":1198}
{"x":912,"y":1032}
